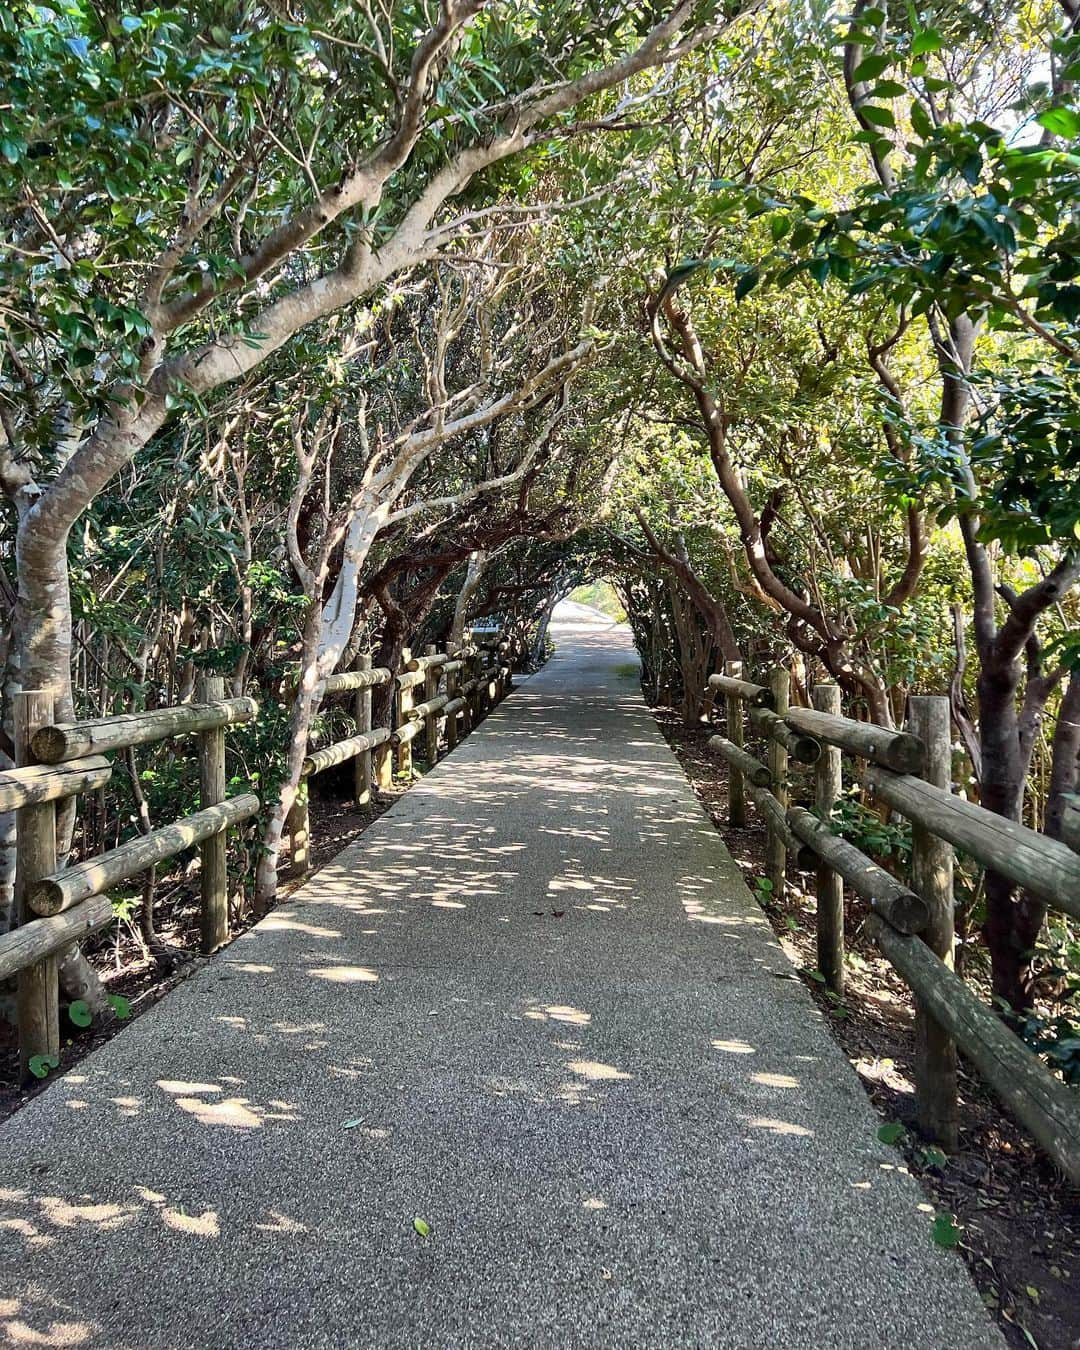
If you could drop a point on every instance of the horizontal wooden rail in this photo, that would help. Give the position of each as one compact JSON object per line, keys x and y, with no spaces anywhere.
{"x":753,"y":770}
{"x":754,"y":694}
{"x":454,"y":707}
{"x":342,"y":751}
{"x":432,"y":661}
{"x":411,"y":679}
{"x":899,"y":906}
{"x":408,"y":731}
{"x":1049,"y":1109}
{"x":75,"y":740}
{"x":1045,"y":866}
{"x":36,"y":783}
{"x":63,"y":890}
{"x":772,"y":810}
{"x":913,"y":926}
{"x":419,"y":711}
{"x":357,"y":679}
{"x":41,"y":938}
{"x":804,"y":749}
{"x":897,"y":750}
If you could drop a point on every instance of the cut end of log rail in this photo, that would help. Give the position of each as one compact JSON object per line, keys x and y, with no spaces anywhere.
{"x":754,"y":771}
{"x":754,"y":694}
{"x":897,"y":750}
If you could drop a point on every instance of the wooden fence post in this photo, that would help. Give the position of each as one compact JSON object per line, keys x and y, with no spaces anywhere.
{"x":38,"y":992}
{"x":362,"y":717}
{"x":432,"y":676}
{"x":384,"y":759}
{"x":736,"y":786}
{"x":214,"y":916}
{"x":830,"y":885}
{"x":300,"y":831}
{"x":776,"y":849}
{"x":480,"y":707}
{"x":932,"y":878}
{"x":403,"y":702}
{"x":453,"y":684}
{"x":468,"y":712}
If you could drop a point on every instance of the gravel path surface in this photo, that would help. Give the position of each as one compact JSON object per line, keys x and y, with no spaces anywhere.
{"x":533,"y":1006}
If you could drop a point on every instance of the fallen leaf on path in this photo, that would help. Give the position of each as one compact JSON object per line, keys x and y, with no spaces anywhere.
{"x":944,"y":1231}
{"x":422,"y":1227}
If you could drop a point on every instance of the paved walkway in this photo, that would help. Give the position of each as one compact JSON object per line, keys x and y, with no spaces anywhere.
{"x":536,"y":1006}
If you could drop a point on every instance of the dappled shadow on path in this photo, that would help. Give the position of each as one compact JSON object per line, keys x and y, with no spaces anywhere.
{"x":534,"y":1004}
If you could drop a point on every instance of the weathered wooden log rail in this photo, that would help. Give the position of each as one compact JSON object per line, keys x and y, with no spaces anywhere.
{"x":56,"y":906}
{"x":55,"y":762}
{"x":912,"y":925}
{"x":456,"y":690}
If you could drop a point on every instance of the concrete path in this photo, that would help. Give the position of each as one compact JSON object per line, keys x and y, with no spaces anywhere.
{"x":534,"y":1005}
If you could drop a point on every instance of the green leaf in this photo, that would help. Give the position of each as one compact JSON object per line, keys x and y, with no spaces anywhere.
{"x":422,"y":1227}
{"x":920,"y":120}
{"x":888,"y":89}
{"x":120,"y":1006}
{"x":352,"y":1124}
{"x":944,"y":1231}
{"x":819,"y":269}
{"x":1061,"y":122}
{"x":891,"y":1133}
{"x":878,"y":117}
{"x":871,"y":67}
{"x":79,"y":1013}
{"x":747,"y":282}
{"x":929,"y":40}
{"x":40,"y":1065}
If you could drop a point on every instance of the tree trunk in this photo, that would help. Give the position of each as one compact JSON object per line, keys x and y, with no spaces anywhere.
{"x":695,"y":653}
{"x":1012,"y":925}
{"x":473,"y":576}
{"x":42,"y":658}
{"x":305,"y":704}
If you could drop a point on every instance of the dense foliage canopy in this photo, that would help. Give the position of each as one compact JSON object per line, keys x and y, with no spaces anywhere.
{"x":334,"y":329}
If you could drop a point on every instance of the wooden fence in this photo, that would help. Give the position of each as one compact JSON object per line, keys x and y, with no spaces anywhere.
{"x":56,"y":905}
{"x":457,"y":690}
{"x":910,"y":772}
